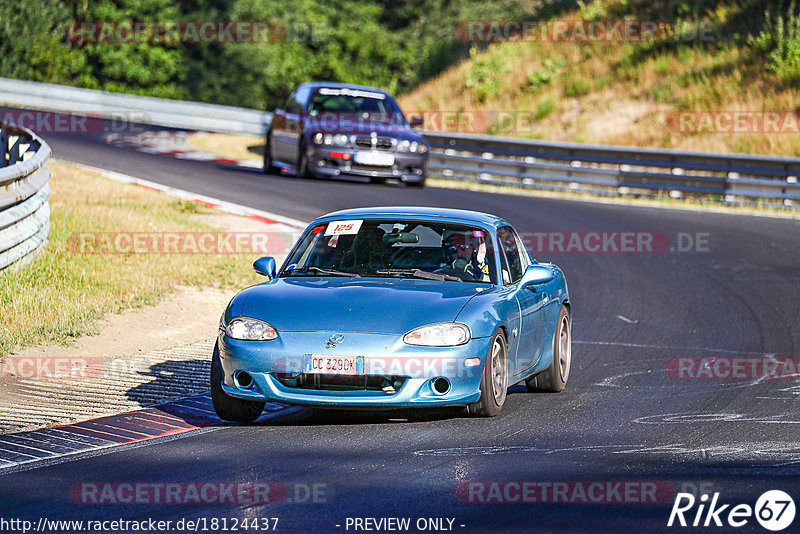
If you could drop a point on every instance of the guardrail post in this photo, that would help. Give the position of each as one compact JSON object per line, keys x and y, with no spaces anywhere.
{"x":13,"y":149}
{"x":3,"y":147}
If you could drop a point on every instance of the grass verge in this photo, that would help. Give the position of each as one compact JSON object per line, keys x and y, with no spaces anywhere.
{"x":63,"y":293}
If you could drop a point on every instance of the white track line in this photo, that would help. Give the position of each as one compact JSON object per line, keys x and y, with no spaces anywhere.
{"x":229,"y":207}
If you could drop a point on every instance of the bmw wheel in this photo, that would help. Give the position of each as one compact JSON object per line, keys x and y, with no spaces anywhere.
{"x":269,"y":168}
{"x":554,"y":378}
{"x":494,"y":382}
{"x":302,"y":162}
{"x":227,"y":407}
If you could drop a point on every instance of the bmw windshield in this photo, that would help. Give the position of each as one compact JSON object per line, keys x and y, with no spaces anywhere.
{"x":395,"y":248}
{"x":355,"y":104}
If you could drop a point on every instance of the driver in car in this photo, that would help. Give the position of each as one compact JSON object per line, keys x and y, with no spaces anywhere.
{"x":466,"y":258}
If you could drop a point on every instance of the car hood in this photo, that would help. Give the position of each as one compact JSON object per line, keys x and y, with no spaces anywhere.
{"x":369,"y":305}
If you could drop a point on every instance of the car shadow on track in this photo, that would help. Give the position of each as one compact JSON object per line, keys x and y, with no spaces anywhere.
{"x":169,"y":380}
{"x":341,"y":417}
{"x":180,"y":388}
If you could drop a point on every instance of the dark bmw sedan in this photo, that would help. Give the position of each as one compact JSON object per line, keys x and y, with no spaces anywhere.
{"x":333,"y":129}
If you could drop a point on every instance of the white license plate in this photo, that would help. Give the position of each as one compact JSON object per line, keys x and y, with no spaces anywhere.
{"x":380,"y":159}
{"x":321,"y":364}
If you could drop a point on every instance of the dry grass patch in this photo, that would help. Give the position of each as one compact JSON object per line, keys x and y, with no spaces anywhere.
{"x":618,"y":93}
{"x":63,"y":293}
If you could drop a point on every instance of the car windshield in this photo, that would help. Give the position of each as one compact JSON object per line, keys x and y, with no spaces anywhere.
{"x":395,"y":248}
{"x":352,"y":101}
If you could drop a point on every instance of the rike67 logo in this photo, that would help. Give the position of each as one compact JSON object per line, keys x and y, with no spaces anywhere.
{"x":774,"y":510}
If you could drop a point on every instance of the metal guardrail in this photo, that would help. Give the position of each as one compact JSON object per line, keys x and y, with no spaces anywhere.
{"x":133,"y":108}
{"x":489,"y":159}
{"x":615,"y":169}
{"x":24,"y":193}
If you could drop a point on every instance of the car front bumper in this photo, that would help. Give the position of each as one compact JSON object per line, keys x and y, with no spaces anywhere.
{"x":269,"y":363}
{"x":408,"y":166}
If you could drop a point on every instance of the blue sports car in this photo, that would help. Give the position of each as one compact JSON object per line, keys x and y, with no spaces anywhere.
{"x":395,"y":307}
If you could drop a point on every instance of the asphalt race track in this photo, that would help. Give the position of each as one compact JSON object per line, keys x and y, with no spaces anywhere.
{"x":628,"y":415}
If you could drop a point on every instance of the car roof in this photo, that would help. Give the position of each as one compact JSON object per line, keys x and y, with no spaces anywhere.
{"x":485,"y":219}
{"x":339,"y":85}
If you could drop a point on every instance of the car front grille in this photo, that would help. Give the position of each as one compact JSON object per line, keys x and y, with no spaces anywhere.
{"x":383,"y":143}
{"x":388,"y":384}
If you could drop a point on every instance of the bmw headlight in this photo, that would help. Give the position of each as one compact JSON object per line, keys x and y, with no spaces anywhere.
{"x":250,"y":329}
{"x":439,"y":335}
{"x":407,"y":145}
{"x":335,"y":139}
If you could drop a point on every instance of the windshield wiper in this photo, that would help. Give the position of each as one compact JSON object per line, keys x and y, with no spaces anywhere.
{"x":417,"y":273}
{"x":320,"y":270}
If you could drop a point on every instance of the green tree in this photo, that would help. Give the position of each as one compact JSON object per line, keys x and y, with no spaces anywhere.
{"x":157,"y":69}
{"x":33,"y":44}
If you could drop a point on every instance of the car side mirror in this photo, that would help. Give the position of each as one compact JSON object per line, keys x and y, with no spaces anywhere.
{"x":535,"y":275}
{"x":265,"y":266}
{"x":416,"y":122}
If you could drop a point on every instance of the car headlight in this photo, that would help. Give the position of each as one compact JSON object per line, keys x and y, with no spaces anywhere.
{"x":411,"y":146}
{"x":439,"y":335}
{"x":318,"y":138}
{"x":335,"y":139}
{"x":250,"y":329}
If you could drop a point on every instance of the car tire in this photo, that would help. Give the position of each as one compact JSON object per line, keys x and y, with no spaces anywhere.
{"x":554,"y":378}
{"x":227,"y":407}
{"x":269,"y":168}
{"x":302,"y":162}
{"x":494,"y":382}
{"x":419,"y":184}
